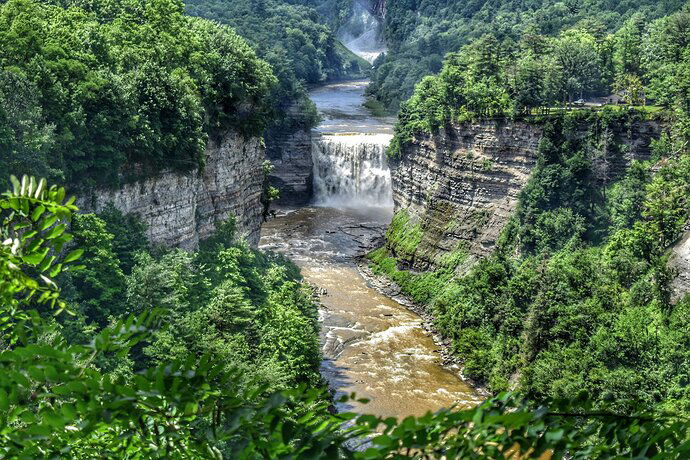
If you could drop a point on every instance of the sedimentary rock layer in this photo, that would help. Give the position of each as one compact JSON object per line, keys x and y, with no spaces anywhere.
{"x":291,"y":157}
{"x":182,"y":208}
{"x":462,"y":184}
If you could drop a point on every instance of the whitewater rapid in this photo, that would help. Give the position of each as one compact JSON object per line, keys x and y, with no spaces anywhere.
{"x":372,"y":345}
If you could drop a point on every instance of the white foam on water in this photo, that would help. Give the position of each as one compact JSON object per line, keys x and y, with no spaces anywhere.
{"x":351,"y":170}
{"x":389,"y":334}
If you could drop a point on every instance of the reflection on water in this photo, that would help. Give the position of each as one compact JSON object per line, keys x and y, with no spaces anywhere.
{"x":372,"y":345}
{"x":342,"y":110}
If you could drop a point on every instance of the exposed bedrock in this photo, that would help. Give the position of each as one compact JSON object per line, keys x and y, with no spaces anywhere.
{"x":182,"y":208}
{"x":293,"y":173}
{"x":462,"y":184}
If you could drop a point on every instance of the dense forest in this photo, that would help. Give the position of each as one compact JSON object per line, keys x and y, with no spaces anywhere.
{"x":420,"y":33}
{"x":113,"y":347}
{"x":577,"y":295}
{"x":639,"y":64}
{"x":87,"y":90}
{"x":153,"y":353}
{"x":300,"y":49}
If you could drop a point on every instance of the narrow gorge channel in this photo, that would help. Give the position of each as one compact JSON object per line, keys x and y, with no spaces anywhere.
{"x":372,"y":345}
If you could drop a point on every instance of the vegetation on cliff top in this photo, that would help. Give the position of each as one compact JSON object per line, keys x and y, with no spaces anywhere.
{"x":577,"y":296}
{"x":301,"y":50}
{"x":640,"y":62}
{"x":92,"y":91}
{"x":420,"y":33}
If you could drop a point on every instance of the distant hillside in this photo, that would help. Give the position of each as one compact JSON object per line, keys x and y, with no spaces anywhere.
{"x":419,"y":33}
{"x":293,"y":38}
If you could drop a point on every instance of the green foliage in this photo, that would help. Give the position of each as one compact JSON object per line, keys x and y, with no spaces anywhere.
{"x":142,"y":93}
{"x":129,"y":235}
{"x":246,"y":308}
{"x":34,"y":220}
{"x":99,"y":287}
{"x":538,"y":74}
{"x":403,"y":236}
{"x":300,"y":49}
{"x":577,"y":296}
{"x":420,"y":33}
{"x":56,"y":399}
{"x":268,"y":193}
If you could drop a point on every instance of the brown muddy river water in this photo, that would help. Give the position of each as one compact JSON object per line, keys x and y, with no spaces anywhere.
{"x":372,"y":345}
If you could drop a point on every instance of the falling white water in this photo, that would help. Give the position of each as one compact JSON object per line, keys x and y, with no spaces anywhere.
{"x":351,"y":170}
{"x":363,"y":33}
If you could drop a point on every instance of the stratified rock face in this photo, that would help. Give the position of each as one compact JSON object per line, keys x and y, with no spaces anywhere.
{"x":293,"y":173}
{"x":182,"y":209}
{"x":462,"y":185}
{"x":380,"y":8}
{"x":680,"y":260}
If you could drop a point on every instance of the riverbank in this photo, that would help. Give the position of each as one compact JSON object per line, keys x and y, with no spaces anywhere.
{"x":372,"y":345}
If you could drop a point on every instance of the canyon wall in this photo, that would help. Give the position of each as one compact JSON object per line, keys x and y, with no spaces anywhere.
{"x":182,"y":208}
{"x":462,"y":184}
{"x":293,"y":173}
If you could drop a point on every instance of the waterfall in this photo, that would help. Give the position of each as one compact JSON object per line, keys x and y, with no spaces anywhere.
{"x":351,"y":170}
{"x":363,"y":33}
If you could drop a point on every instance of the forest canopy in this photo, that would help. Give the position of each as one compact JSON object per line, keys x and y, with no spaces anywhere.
{"x":300,"y":48}
{"x":420,"y":33}
{"x":91,"y":92}
{"x":577,"y":295}
{"x":190,"y":357}
{"x":641,"y":64}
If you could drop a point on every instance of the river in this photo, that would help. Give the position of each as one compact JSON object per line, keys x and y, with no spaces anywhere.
{"x":372,"y":345}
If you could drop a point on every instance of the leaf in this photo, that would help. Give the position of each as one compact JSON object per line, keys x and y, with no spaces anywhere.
{"x":48,"y":223}
{"x":4,"y":401}
{"x":16,"y":186}
{"x":35,"y":258}
{"x":38,"y":212}
{"x":55,"y":232}
{"x":74,"y":255}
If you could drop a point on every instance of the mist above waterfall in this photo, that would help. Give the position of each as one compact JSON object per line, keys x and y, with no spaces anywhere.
{"x":363,"y":32}
{"x":351,"y":170}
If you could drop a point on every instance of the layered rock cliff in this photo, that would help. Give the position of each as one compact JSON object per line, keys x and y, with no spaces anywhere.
{"x":461,"y":185}
{"x":181,"y":209}
{"x":293,"y":173}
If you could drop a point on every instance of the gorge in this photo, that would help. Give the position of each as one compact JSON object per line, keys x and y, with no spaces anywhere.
{"x":372,"y":345}
{"x":258,"y":263}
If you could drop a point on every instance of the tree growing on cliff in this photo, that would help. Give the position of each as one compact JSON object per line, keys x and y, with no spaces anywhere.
{"x":269,"y":193}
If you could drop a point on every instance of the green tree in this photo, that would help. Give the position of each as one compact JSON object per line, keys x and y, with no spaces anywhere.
{"x":100,"y":285}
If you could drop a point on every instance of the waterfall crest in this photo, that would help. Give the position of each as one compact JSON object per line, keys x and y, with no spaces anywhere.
{"x":351,"y":170}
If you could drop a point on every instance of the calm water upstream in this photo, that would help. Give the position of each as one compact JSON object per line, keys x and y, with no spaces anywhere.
{"x":372,"y":345}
